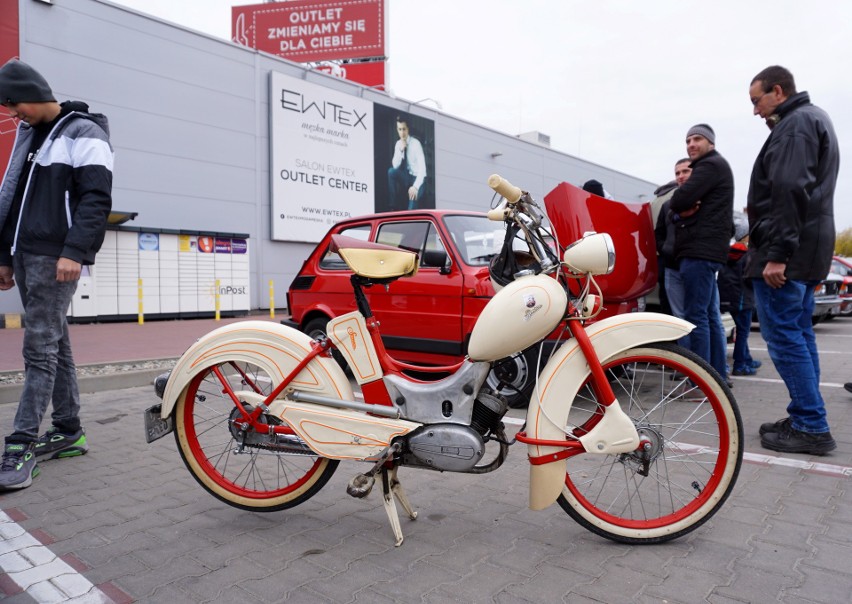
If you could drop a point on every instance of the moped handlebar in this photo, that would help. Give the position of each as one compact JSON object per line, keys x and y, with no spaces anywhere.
{"x":505,"y":188}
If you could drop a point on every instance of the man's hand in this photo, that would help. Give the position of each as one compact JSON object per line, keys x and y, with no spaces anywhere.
{"x":773,"y":274}
{"x":412,"y":193}
{"x":68,"y":270}
{"x":7,"y":278}
{"x":691,"y":211}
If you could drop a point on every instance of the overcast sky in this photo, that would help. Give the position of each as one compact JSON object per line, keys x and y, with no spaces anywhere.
{"x":615,"y":82}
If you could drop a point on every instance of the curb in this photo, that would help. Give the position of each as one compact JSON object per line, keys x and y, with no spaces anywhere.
{"x":94,"y":383}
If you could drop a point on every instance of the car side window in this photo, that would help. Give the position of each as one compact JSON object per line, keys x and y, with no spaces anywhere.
{"x":332,"y":260}
{"x":419,"y":237}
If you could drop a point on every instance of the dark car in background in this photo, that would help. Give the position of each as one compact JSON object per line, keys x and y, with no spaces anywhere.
{"x":842,"y":267}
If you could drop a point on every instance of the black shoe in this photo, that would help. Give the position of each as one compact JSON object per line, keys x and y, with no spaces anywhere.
{"x":54,"y":444}
{"x":848,"y":386}
{"x":789,"y":440}
{"x":773,"y":426}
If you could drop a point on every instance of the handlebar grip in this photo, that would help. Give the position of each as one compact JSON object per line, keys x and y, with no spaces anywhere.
{"x":505,"y":188}
{"x":497,"y":214}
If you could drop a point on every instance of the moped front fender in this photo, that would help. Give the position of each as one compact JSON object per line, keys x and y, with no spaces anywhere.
{"x":560,"y":381}
{"x":275,"y":348}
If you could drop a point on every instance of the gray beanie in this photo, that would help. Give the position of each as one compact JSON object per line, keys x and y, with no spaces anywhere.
{"x":703,"y":130}
{"x":20,"y":83}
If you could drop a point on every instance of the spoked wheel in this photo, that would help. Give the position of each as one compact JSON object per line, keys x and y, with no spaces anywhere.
{"x":245,"y":469}
{"x":690,"y":427}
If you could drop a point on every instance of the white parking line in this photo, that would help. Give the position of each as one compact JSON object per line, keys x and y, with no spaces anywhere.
{"x":759,"y":458}
{"x":39,"y":572}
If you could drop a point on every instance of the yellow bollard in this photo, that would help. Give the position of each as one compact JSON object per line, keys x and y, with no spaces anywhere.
{"x":271,"y":299}
{"x":218,"y":300}
{"x":141,"y":318}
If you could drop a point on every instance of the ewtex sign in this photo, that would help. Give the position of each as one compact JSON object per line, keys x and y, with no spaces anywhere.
{"x":308,"y":31}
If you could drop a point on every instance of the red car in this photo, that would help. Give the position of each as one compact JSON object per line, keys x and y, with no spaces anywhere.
{"x":428,"y":318}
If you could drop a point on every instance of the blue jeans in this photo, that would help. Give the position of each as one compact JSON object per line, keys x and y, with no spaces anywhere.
{"x":49,"y":371}
{"x":785,"y":323}
{"x":742,"y":355}
{"x":674,"y":291}
{"x":701,"y":308}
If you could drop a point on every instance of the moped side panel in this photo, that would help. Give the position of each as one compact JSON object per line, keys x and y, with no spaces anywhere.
{"x":341,"y":433}
{"x":349,"y":333}
{"x":518,"y":316}
{"x":560,"y":381}
{"x":273,"y":347}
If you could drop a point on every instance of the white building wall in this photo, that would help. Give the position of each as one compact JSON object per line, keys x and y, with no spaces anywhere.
{"x":189,"y":123}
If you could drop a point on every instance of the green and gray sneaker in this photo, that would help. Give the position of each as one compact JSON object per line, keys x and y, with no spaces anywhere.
{"x":18,"y":467}
{"x":54,"y":444}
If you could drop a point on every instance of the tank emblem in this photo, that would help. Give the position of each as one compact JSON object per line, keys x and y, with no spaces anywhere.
{"x":352,"y":336}
{"x":532,"y":306}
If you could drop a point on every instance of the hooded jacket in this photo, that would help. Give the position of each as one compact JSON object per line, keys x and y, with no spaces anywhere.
{"x":791,"y":195}
{"x":706,"y":235}
{"x":68,"y":194}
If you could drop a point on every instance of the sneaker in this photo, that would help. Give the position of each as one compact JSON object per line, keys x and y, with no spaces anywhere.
{"x":848,"y":386}
{"x":789,"y":440}
{"x":756,"y":364}
{"x":18,"y":467}
{"x":773,"y":426}
{"x":54,"y":444}
{"x":744,"y":370}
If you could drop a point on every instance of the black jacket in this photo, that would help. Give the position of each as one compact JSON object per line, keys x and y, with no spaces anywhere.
{"x":68,"y":194}
{"x":706,"y":234}
{"x":791,"y":195}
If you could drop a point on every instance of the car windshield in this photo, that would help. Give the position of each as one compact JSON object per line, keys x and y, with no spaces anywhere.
{"x":476,"y":238}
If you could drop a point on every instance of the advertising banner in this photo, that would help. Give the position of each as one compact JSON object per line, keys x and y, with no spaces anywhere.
{"x":321,"y":156}
{"x":312,"y":30}
{"x":8,"y":50}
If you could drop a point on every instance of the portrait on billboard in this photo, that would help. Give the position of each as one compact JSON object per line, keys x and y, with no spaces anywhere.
{"x":404,"y":146}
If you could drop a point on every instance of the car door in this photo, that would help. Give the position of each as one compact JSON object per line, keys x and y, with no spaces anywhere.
{"x":420,"y":315}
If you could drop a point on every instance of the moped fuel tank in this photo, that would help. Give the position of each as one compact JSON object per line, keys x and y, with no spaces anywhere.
{"x":518,"y":316}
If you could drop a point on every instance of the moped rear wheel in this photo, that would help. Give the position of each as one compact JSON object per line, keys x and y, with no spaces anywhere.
{"x":690,"y":424}
{"x":251,"y":471}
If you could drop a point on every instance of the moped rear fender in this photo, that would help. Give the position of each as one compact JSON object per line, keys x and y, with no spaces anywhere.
{"x":275,"y":348}
{"x":560,"y":381}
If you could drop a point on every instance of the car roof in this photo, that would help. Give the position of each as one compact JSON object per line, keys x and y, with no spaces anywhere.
{"x":409,"y":214}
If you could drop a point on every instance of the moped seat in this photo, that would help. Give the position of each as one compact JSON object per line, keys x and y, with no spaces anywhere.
{"x":374,"y":260}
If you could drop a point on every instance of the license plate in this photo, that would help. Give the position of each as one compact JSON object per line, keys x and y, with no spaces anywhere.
{"x":155,"y":426}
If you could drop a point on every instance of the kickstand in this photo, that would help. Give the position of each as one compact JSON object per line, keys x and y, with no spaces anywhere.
{"x":391,"y":487}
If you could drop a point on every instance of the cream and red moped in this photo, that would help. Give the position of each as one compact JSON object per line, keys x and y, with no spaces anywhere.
{"x":638,"y":439}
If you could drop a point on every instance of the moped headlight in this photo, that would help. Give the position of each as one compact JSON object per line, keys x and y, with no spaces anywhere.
{"x":594,"y":253}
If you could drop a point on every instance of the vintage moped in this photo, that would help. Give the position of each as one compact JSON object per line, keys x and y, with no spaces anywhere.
{"x":637,"y":438}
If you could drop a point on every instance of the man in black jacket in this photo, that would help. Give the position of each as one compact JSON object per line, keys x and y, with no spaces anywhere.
{"x":55,"y":198}
{"x":704,"y":207}
{"x":791,"y":213}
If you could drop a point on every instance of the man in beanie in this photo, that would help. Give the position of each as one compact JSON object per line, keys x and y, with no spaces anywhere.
{"x":54,"y":202}
{"x":703,"y":208}
{"x":791,"y":243}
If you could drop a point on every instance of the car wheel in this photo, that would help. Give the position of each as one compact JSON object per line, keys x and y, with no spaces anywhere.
{"x":316,"y":328}
{"x":514,"y":377}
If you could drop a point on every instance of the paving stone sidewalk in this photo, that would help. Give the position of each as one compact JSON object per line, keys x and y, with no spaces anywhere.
{"x":130,"y":520}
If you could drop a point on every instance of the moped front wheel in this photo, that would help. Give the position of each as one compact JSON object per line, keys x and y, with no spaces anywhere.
{"x":690,"y":427}
{"x":247,"y":470}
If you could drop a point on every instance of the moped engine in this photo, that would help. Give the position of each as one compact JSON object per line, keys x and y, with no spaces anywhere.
{"x":454,"y":447}
{"x":445,"y":447}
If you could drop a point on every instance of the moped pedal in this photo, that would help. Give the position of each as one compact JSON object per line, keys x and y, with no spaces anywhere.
{"x":360,"y":485}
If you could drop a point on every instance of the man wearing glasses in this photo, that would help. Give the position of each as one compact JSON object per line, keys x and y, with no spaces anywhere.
{"x":791,"y":242}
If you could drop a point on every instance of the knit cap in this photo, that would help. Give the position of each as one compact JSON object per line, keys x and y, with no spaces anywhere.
{"x":703,"y":130}
{"x":20,"y":83}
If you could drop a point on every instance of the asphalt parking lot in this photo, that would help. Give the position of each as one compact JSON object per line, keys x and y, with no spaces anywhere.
{"x":127,"y":523}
